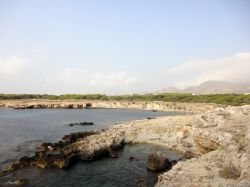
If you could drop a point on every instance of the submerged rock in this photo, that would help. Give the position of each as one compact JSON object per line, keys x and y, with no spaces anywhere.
{"x":11,"y":168}
{"x":157,"y":162}
{"x":112,"y":153}
{"x":131,"y":158}
{"x":18,"y":182}
{"x":21,"y":181}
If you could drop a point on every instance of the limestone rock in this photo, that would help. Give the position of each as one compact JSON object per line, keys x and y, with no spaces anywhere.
{"x":158,"y":162}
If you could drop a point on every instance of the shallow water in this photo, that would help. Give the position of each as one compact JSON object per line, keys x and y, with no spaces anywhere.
{"x":22,"y":130}
{"x":110,"y":172}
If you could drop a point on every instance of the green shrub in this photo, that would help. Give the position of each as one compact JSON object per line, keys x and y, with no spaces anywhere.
{"x":225,"y":99}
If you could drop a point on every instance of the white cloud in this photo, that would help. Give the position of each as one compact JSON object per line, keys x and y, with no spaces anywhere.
{"x":67,"y":76}
{"x":112,"y":79}
{"x":12,"y":65}
{"x":33,"y":75}
{"x":235,"y":68}
{"x":37,"y":75}
{"x":100,"y":82}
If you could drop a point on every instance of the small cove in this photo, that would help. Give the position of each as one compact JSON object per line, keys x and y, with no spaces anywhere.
{"x":22,"y":130}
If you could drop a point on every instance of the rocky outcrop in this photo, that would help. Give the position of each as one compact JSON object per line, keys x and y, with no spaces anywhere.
{"x":51,"y":154}
{"x":83,"y":146}
{"x":222,"y":139}
{"x":158,"y":162}
{"x":91,"y":147}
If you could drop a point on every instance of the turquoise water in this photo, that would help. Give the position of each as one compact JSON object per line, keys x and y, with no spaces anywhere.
{"x":22,"y":130}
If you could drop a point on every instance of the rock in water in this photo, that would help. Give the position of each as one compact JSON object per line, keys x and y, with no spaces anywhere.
{"x":88,"y":105}
{"x":112,"y":153}
{"x":157,"y":162}
{"x":149,"y":118}
{"x":22,"y":181}
{"x":85,"y":123}
{"x":131,"y":158}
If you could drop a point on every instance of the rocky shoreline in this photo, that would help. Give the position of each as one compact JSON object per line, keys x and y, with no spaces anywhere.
{"x":78,"y":104}
{"x":216,"y":143}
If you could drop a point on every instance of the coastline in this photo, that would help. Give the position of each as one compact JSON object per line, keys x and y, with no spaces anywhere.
{"x":71,"y":104}
{"x":216,"y":142}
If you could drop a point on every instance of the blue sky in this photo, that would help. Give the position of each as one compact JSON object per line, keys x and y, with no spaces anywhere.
{"x":120,"y":46}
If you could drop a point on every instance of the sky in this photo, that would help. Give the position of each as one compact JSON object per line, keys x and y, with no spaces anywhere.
{"x":121,"y":46}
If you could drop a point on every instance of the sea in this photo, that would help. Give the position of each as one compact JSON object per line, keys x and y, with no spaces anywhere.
{"x":22,"y":130}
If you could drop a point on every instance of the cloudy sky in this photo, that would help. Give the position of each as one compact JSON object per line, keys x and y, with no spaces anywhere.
{"x":121,"y":46}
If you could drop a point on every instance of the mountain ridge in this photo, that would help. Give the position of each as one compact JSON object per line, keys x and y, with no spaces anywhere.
{"x":211,"y":87}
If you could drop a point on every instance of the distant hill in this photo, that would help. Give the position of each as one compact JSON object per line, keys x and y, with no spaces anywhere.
{"x":169,"y":90}
{"x":211,"y":87}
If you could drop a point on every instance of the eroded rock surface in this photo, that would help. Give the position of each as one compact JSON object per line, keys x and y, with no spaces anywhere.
{"x":223,"y":140}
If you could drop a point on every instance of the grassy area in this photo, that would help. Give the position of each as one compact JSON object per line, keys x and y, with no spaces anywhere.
{"x":227,"y":99}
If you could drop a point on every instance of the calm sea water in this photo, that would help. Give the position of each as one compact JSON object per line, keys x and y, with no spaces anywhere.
{"x":22,"y":130}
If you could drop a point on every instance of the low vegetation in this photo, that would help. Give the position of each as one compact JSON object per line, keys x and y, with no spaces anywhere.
{"x":226,"y":99}
{"x":229,"y":173}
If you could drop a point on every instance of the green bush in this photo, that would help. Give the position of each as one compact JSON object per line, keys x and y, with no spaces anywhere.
{"x":225,"y":99}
